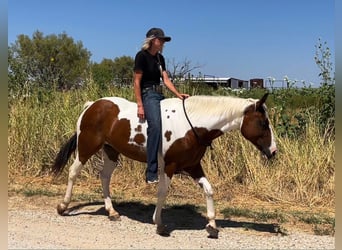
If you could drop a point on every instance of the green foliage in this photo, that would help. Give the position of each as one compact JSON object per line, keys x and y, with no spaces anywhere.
{"x":327,"y":109}
{"x":17,"y":77}
{"x":327,"y":95}
{"x":117,"y":72}
{"x":49,"y":62}
{"x":103,"y":73}
{"x":292,"y":108}
{"x":123,"y":70}
{"x":288,"y":119}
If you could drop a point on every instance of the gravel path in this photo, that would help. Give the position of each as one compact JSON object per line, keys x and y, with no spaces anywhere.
{"x":35,"y":224}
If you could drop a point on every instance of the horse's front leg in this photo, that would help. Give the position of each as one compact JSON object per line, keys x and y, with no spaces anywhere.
{"x":74,"y":170}
{"x":163,"y":185}
{"x":211,"y":226}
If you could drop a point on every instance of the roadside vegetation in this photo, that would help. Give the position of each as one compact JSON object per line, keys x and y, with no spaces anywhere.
{"x":296,"y":187}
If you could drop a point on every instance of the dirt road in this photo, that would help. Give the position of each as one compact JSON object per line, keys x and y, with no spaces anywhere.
{"x":33,"y":223}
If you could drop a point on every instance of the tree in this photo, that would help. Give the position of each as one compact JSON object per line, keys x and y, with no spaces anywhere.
{"x":123,"y":70}
{"x":17,"y":77}
{"x":47,"y":61}
{"x":118,"y":71}
{"x":103,"y":73}
{"x":180,"y":70}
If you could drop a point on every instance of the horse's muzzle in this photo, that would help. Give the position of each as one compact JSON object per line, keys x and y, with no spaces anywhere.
{"x":269,"y":153}
{"x":272,"y":154}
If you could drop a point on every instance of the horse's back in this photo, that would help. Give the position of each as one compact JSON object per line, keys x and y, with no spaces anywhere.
{"x":120,"y":114}
{"x":121,"y":102}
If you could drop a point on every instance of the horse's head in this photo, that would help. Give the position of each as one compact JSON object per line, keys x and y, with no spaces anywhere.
{"x":257,"y":129}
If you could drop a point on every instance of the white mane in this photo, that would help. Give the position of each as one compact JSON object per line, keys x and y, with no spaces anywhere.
{"x":217,"y":105}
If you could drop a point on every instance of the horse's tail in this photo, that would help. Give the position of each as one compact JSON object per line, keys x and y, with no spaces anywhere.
{"x":64,"y":155}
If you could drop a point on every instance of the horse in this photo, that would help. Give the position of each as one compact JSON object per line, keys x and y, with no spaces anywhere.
{"x":188,"y":128}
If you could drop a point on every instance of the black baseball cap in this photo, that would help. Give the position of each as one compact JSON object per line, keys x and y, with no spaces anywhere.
{"x":157,"y":33}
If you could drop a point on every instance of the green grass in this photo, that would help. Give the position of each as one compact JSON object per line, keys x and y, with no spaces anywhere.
{"x":323,"y":224}
{"x":261,"y":215}
{"x":40,"y":192}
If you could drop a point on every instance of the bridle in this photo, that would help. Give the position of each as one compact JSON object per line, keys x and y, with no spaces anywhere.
{"x":199,"y":139}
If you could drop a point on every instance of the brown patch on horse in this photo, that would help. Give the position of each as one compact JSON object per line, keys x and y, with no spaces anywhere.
{"x":139,"y":139}
{"x":138,"y":128}
{"x":94,"y":127}
{"x":121,"y":130}
{"x":99,"y":125}
{"x":195,"y":171}
{"x":167,"y":135}
{"x":186,"y":153}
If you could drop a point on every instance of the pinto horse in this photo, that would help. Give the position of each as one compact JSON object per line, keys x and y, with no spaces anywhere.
{"x":111,"y":124}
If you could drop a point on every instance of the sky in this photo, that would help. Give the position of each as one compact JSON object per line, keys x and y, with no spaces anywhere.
{"x":242,"y":39}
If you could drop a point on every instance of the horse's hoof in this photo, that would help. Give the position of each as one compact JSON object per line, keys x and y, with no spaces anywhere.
{"x":213,"y":232}
{"x":114,"y":217}
{"x":162,"y":230}
{"x":61,"y":208}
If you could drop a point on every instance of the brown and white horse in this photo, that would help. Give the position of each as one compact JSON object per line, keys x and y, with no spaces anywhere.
{"x":111,"y":124}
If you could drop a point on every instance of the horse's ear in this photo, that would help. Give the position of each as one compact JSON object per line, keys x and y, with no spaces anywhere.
{"x":261,"y":101}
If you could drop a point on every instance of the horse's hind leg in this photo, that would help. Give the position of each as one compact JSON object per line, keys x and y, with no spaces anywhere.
{"x":74,"y":170}
{"x":110,"y":162}
{"x":163,"y":185}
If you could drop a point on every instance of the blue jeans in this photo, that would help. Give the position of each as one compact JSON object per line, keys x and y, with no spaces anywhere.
{"x":151,"y":101}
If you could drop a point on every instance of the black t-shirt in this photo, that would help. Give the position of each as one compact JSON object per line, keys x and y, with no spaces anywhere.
{"x":149,"y":66}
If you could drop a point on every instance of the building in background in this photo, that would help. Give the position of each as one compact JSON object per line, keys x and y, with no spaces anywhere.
{"x":228,"y":82}
{"x":235,"y":83}
{"x":256,"y":83}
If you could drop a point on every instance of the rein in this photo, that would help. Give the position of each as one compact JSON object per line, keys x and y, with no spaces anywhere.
{"x":199,"y":139}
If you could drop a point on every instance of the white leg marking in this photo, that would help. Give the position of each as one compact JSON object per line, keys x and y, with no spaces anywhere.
{"x":209,"y":196}
{"x":211,"y":226}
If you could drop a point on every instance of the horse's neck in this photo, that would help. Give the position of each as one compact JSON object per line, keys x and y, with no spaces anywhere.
{"x":224,"y":113}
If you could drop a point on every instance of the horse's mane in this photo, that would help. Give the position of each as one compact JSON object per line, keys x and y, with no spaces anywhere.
{"x":217,"y":105}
